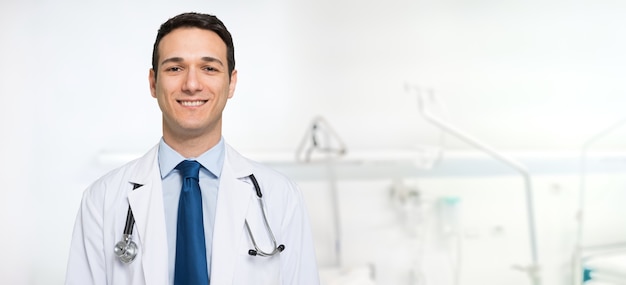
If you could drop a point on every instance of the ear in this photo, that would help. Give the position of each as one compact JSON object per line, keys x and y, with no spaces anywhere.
{"x":232,"y":84}
{"x":152,"y":81}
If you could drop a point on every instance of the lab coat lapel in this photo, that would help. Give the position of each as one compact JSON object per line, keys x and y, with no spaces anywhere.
{"x":232,"y":205}
{"x":146,"y":203}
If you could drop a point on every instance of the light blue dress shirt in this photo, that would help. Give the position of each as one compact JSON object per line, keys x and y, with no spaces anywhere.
{"x":212,"y":162}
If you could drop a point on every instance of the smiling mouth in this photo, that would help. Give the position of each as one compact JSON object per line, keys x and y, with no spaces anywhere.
{"x":194,"y":103}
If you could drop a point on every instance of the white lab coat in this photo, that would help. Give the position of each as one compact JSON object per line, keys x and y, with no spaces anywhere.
{"x":102,"y":216}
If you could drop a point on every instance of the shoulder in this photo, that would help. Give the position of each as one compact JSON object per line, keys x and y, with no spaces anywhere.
{"x":115,"y":180}
{"x":265,"y":175}
{"x":263,"y":171}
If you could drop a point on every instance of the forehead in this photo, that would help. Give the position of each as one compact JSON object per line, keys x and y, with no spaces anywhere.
{"x":192,"y":42}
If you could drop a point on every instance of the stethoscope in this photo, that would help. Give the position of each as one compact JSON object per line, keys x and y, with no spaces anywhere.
{"x":126,"y":249}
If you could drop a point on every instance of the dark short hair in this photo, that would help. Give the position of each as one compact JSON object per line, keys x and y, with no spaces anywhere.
{"x":195,"y":20}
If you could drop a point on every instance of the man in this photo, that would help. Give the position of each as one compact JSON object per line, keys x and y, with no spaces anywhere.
{"x":219,"y":235}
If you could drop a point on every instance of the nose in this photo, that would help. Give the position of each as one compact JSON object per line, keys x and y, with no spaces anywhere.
{"x":191,"y":84}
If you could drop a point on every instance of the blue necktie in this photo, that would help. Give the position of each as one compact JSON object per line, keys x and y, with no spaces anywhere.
{"x":191,"y":264}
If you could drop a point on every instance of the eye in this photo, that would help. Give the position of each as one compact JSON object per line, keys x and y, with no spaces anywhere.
{"x":210,"y":69}
{"x":173,"y":69}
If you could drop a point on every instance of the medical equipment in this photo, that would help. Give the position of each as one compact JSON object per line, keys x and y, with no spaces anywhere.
{"x":323,"y":139}
{"x":257,"y":250}
{"x":603,"y":263}
{"x":533,"y":269}
{"x":126,"y":249}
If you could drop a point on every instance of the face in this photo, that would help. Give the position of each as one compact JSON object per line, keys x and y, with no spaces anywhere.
{"x":192,"y":83}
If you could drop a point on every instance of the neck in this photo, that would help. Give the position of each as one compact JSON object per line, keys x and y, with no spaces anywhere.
{"x":192,"y":146}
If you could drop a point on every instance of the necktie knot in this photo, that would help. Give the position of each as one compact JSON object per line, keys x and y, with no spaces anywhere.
{"x":189,"y":169}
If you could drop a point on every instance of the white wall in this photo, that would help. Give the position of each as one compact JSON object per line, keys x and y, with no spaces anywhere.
{"x":523,"y":75}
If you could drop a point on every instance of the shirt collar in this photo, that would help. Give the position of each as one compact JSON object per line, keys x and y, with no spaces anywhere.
{"x":211,"y":160}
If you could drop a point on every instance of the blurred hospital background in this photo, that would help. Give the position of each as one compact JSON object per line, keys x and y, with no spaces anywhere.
{"x":437,"y":142}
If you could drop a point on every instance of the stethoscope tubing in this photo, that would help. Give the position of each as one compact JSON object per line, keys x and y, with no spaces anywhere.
{"x":130,"y":222}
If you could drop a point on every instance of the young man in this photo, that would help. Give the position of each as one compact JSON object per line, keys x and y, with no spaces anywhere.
{"x":214,"y":232}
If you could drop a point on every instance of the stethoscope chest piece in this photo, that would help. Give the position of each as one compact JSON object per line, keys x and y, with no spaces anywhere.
{"x":126,"y":250}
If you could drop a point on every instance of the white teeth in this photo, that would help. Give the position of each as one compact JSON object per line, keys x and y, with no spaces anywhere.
{"x":192,"y":103}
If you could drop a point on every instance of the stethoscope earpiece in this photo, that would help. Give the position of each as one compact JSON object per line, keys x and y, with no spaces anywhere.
{"x":253,"y":252}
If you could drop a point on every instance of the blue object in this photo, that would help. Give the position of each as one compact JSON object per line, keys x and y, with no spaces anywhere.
{"x":191,"y":262}
{"x":586,"y":274}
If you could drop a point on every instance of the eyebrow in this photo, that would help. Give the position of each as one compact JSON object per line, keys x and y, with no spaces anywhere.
{"x":204,"y":58}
